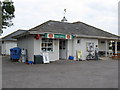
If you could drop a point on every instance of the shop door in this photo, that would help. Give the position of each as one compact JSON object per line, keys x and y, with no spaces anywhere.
{"x":62,"y":49}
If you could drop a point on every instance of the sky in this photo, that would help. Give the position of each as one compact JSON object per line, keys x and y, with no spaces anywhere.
{"x":102,"y":14}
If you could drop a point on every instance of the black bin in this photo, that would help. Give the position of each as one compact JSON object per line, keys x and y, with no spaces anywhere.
{"x":38,"y":59}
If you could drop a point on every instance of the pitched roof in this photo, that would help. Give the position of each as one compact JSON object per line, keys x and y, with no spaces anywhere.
{"x":77,"y":28}
{"x":9,"y":36}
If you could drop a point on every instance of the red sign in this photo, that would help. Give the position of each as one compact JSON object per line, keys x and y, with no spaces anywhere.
{"x":68,"y":36}
{"x":50,"y":35}
{"x":37,"y":36}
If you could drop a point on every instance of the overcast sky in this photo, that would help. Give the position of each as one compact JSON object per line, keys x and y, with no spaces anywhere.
{"x":102,"y":14}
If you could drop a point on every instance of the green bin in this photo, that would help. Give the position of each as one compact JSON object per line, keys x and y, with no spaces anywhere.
{"x":38,"y":59}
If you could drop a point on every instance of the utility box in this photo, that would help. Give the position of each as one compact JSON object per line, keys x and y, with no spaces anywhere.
{"x":38,"y":59}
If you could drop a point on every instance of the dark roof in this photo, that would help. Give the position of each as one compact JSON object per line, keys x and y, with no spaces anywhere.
{"x":77,"y":28}
{"x":9,"y":36}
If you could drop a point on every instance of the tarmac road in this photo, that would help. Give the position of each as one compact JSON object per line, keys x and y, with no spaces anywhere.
{"x":60,"y":74}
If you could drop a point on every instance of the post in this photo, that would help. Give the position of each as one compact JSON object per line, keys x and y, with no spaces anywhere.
{"x":115,"y":47}
{"x":106,"y":48}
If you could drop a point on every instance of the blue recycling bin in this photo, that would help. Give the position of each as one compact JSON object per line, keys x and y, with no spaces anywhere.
{"x":15,"y":53}
{"x":71,"y":58}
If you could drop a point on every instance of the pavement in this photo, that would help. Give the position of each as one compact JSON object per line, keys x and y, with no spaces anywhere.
{"x":60,"y":74}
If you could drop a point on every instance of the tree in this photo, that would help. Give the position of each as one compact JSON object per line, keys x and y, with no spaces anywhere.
{"x":8,"y":10}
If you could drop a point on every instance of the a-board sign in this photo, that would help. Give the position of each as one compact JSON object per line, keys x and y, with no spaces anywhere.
{"x":46,"y":58}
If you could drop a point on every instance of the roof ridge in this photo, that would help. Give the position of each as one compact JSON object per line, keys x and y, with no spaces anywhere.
{"x":47,"y":23}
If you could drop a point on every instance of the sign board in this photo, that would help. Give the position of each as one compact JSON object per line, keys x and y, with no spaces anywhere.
{"x":59,"y":36}
{"x":79,"y":54}
{"x":90,"y":46}
{"x":46,"y":58}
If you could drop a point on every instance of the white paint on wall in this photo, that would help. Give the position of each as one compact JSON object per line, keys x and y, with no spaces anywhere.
{"x":27,"y":43}
{"x":34,"y":47}
{"x":75,"y":48}
{"x":102,"y":46}
{"x":37,"y":47}
{"x":82,"y":47}
{"x":70,"y":48}
{"x":53,"y":56}
{"x":7,"y":45}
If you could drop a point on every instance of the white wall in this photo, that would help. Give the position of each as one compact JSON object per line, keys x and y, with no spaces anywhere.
{"x":7,"y":45}
{"x":70,"y":48}
{"x":37,"y":47}
{"x":55,"y":54}
{"x":27,"y":43}
{"x":52,"y":55}
{"x":102,"y":46}
{"x":34,"y":47}
{"x":82,"y":46}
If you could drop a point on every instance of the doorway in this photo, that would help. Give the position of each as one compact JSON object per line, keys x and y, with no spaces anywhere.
{"x":62,"y":49}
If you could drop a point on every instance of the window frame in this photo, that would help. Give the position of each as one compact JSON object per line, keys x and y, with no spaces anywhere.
{"x":46,"y":42}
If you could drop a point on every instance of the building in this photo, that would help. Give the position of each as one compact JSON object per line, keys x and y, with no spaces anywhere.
{"x":8,"y":42}
{"x":61,"y":40}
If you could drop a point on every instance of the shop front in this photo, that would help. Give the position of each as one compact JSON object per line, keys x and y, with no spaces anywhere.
{"x":62,"y":44}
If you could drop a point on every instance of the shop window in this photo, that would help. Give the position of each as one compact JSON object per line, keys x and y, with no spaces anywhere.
{"x":47,"y":45}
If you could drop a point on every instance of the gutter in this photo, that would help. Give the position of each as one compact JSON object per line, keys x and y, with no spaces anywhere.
{"x":77,"y":36}
{"x":96,"y":37}
{"x":21,"y":35}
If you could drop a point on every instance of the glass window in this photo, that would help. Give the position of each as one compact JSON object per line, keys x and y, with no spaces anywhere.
{"x":47,"y":45}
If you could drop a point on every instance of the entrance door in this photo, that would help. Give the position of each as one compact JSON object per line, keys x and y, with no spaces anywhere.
{"x":62,"y":49}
